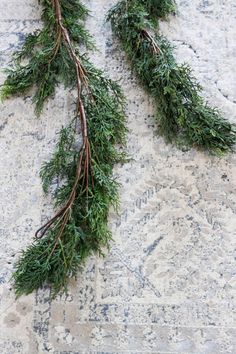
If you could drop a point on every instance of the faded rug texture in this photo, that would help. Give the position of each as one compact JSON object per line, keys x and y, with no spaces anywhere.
{"x":167,"y":285}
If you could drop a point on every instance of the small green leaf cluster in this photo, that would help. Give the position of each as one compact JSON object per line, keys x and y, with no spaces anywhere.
{"x":47,"y":59}
{"x":159,"y":8}
{"x":183,"y":116}
{"x":37,"y":265}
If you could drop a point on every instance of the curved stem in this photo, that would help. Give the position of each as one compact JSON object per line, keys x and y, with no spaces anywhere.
{"x":84,"y":160}
{"x":152,"y":41}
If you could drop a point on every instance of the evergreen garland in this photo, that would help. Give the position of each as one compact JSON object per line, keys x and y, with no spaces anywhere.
{"x":82,"y":167}
{"x":183,"y":116}
{"x":88,"y":147}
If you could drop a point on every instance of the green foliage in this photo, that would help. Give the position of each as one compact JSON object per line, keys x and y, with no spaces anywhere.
{"x":159,"y":8}
{"x":183,"y":116}
{"x":47,"y":60}
{"x":80,"y":172}
{"x":86,"y":230}
{"x":37,"y":265}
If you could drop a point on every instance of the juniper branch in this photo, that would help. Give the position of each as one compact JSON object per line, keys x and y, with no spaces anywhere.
{"x":182,"y":115}
{"x":86,"y":188}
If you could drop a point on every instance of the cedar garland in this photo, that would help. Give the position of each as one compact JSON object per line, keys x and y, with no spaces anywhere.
{"x":82,"y":171}
{"x":79,"y":174}
{"x":182,"y":115}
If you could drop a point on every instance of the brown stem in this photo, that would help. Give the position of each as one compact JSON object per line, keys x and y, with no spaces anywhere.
{"x":152,"y":41}
{"x":69,"y":203}
{"x":57,"y":44}
{"x":84,"y":160}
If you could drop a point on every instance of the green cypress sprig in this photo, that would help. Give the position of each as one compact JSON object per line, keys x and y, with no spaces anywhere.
{"x":182,"y":115}
{"x":81,"y":166}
